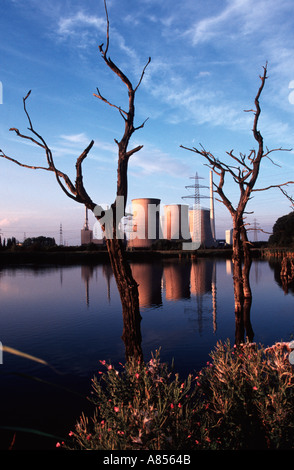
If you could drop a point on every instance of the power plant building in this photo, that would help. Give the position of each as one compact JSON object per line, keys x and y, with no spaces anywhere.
{"x":179,"y":222}
{"x":86,"y":233}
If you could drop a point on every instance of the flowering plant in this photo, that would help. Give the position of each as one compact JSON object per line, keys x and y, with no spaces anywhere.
{"x":242,"y":399}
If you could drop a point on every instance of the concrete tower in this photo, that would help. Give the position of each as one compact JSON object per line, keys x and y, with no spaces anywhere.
{"x":146,"y":222}
{"x":200,"y":218}
{"x":86,"y":233}
{"x":212,"y":219}
{"x":176,"y":222}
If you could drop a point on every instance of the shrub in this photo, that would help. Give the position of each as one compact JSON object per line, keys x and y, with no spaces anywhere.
{"x":243,"y":399}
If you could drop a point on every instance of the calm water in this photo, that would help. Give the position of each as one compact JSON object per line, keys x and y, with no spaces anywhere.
{"x":71,"y":318}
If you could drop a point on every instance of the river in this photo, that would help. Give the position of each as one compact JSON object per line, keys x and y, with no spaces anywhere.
{"x":70,"y":317}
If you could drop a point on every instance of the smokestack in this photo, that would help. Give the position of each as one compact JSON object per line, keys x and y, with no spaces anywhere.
{"x":86,"y":225}
{"x":212,"y":221}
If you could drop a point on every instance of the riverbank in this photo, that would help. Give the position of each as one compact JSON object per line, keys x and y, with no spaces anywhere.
{"x":72,"y":257}
{"x":81,"y":255}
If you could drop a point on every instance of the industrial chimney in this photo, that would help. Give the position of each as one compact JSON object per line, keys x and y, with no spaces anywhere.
{"x":212,"y":219}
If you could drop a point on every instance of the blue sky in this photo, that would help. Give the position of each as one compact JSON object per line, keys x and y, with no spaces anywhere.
{"x":206,"y":58}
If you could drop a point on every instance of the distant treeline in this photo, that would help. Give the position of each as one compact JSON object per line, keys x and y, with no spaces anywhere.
{"x":283,"y":232}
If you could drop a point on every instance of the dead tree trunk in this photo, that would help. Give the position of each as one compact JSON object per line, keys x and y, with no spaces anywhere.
{"x":128,"y":291}
{"x":127,"y":286}
{"x":245,"y":175}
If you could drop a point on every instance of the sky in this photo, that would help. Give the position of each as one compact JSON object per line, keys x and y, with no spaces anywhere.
{"x":206,"y":59}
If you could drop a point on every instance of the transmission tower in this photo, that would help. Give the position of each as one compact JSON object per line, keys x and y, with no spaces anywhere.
{"x":60,"y":235}
{"x":255,"y":228}
{"x":196,"y":208}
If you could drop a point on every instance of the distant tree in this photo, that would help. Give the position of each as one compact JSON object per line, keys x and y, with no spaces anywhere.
{"x":127,"y":286}
{"x":244,"y":172}
{"x":11,"y":242}
{"x":283,"y":231}
{"x":40,"y":242}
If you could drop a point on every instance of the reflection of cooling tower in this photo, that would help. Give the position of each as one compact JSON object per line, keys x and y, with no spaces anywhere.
{"x":146,"y":222}
{"x":206,"y":239}
{"x":176,"y":222}
{"x":201,"y":276}
{"x":177,"y":281}
{"x":148,"y":276}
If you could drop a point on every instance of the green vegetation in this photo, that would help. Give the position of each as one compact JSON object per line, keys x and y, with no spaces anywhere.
{"x":243,"y":399}
{"x":283,"y":231}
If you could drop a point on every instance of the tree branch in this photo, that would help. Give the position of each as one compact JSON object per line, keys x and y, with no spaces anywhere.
{"x":76,"y":192}
{"x":122,"y":112}
{"x":123,"y":153}
{"x":273,"y":186}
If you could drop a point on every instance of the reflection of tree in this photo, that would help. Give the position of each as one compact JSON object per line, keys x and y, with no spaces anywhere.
{"x":131,"y":334}
{"x":283,"y":273}
{"x":243,"y":327}
{"x":244,"y":170}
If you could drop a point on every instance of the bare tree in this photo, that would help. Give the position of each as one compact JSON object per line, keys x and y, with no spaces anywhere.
{"x":244,"y":171}
{"x":127,"y":286}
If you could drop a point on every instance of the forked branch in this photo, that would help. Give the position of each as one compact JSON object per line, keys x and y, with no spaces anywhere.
{"x":128,"y":115}
{"x":246,"y":173}
{"x":75,"y":191}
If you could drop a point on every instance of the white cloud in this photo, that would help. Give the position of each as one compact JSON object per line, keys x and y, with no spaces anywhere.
{"x":7,"y":221}
{"x":76,"y":139}
{"x":69,"y":26}
{"x":237,"y":18}
{"x":151,"y":161}
{"x":73,"y":144}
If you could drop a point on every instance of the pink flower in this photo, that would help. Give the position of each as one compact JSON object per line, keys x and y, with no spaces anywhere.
{"x":255,"y":388}
{"x":179,"y":405}
{"x":70,"y":433}
{"x":58,"y":444}
{"x":102,"y":362}
{"x":137,"y":375}
{"x":89,"y":437}
{"x":116,"y":409}
{"x":171,"y":405}
{"x":109,"y":367}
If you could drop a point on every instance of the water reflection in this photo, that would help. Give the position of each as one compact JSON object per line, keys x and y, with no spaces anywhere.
{"x":185,"y":295}
{"x":71,"y":317}
{"x":149,"y":279}
{"x":179,"y":280}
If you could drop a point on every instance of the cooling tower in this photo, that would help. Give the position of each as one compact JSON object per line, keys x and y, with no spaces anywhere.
{"x":146,"y":222}
{"x":204,"y":234}
{"x":148,"y":277}
{"x":176,"y":222}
